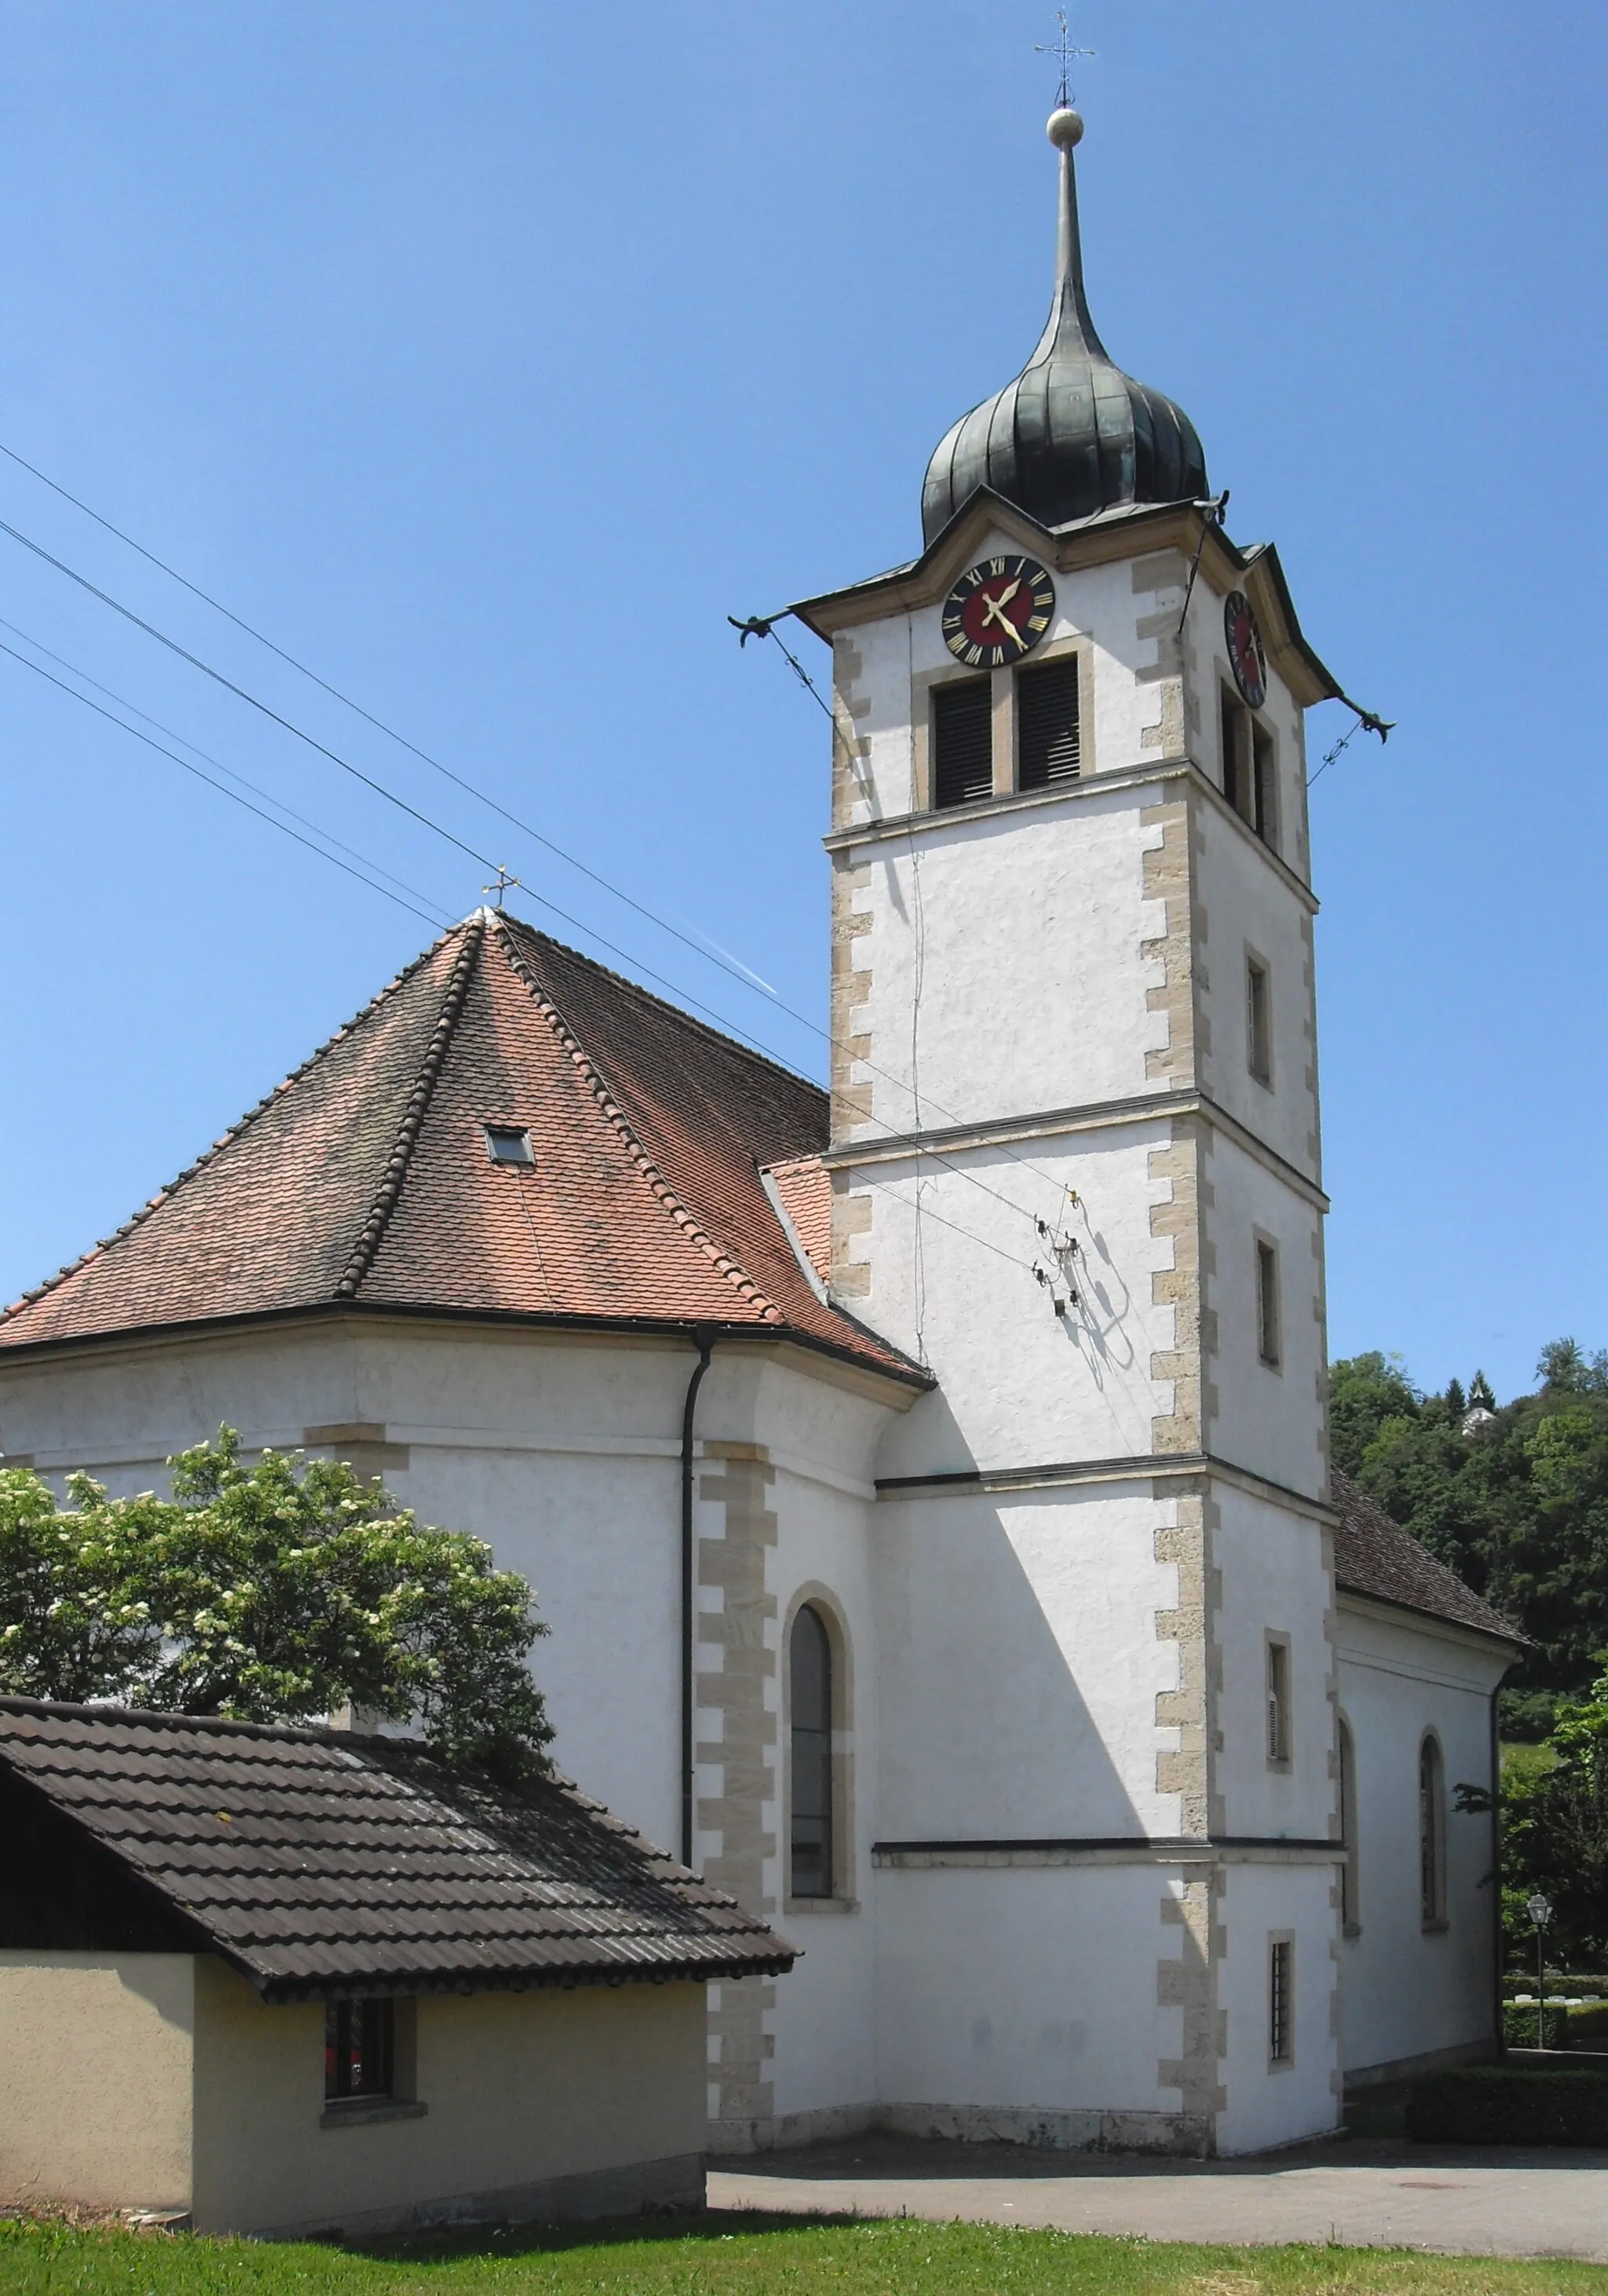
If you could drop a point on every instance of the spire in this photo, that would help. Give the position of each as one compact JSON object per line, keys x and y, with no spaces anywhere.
{"x":1070,"y":310}
{"x":1072,"y":435}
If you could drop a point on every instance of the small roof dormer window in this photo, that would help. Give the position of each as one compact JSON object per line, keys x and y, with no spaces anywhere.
{"x":509,"y":1143}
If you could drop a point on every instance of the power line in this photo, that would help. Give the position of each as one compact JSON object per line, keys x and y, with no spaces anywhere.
{"x":459,"y":781}
{"x":426,"y":821}
{"x":223,"y":791}
{"x":443,"y":915}
{"x":229,"y":686}
{"x":362,"y":879}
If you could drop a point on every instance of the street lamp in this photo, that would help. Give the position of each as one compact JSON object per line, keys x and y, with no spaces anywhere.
{"x":1540,"y":1912}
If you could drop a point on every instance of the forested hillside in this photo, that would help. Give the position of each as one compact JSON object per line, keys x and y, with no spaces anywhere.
{"x":1513,"y":1495}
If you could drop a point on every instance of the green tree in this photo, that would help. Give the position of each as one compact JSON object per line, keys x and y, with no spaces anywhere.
{"x":1514,"y":1498}
{"x":1364,"y":1392}
{"x":278,"y":1591}
{"x":1555,"y":1834}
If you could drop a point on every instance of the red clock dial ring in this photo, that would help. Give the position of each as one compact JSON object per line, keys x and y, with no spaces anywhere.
{"x":997,"y":611}
{"x":1244,"y":643}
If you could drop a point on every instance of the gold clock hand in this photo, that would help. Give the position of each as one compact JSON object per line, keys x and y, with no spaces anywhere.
{"x":992,"y":614}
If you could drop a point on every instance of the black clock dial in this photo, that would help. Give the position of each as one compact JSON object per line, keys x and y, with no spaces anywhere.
{"x":997,"y":611}
{"x":1245,"y":657}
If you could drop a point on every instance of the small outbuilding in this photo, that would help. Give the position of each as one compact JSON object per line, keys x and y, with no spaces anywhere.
{"x":287,"y":1980}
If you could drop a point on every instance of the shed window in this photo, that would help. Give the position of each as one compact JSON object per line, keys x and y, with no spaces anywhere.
{"x":962,"y":740}
{"x":1047,"y":742}
{"x":360,"y":2049}
{"x":810,"y":1713}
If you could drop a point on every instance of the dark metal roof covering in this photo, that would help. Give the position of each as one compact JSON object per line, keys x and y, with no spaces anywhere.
{"x":318,"y":1861}
{"x":1072,"y":434}
{"x":1374,"y":1556}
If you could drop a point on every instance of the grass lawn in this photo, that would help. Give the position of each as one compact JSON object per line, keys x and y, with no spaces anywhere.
{"x":738,"y":2256}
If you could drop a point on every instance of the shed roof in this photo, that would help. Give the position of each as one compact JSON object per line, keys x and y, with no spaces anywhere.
{"x":1374,"y":1556}
{"x":319,"y":1861}
{"x":364,"y":1181}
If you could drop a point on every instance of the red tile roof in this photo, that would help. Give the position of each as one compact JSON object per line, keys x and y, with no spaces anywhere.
{"x":805,"y":1188}
{"x":364,"y":1178}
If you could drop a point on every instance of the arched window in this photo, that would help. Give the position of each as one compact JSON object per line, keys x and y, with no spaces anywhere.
{"x":809,"y":1677}
{"x":1431,"y":1834}
{"x":1350,"y":1917}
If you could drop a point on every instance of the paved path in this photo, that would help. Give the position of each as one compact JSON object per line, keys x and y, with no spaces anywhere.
{"x":1484,"y":2201}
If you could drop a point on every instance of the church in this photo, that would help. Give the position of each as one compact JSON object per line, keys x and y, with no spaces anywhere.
{"x":925,"y":1483}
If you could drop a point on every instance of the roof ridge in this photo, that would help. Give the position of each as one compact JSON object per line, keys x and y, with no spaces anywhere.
{"x":373,"y":1232}
{"x":663,"y":1004}
{"x":731,"y":1269}
{"x":170,"y":1188}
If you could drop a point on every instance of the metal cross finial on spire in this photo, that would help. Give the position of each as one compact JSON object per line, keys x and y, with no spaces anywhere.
{"x":503,"y":881}
{"x":1065,"y":51}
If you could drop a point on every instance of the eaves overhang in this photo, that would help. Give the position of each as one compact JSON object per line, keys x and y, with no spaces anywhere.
{"x":1365,"y":1602}
{"x":1122,"y":532}
{"x":902,"y":1373}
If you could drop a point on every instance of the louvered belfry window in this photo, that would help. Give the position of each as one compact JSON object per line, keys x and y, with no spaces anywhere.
{"x":1047,"y":744}
{"x":962,"y":740}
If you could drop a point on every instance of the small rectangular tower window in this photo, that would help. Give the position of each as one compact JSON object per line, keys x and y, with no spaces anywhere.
{"x":1235,"y":724}
{"x":1259,"y":1035}
{"x":962,"y":740}
{"x":1278,"y":1701}
{"x":1264,"y":786}
{"x":1281,"y":2005}
{"x":1266,"y":1303}
{"x":1047,"y":738}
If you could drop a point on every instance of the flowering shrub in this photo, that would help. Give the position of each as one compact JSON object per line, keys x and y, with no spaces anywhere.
{"x":280,"y":1591}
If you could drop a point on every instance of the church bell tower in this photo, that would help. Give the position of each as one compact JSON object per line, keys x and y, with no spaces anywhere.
{"x":1076,"y":1171}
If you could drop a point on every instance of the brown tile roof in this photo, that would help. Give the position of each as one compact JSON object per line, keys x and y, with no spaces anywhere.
{"x":805,"y":1188}
{"x":364,"y":1178}
{"x":317,"y":1861}
{"x":1374,"y":1555}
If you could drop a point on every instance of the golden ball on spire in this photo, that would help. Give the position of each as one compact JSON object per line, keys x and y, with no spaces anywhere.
{"x":1064,"y":128}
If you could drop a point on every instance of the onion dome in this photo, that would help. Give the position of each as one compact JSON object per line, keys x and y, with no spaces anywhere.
{"x":1073,"y":434}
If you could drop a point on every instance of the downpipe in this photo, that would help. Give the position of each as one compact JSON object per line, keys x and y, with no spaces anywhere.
{"x":704,"y":1342}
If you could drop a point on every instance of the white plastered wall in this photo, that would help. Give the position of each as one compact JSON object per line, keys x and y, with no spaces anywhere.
{"x":1268,"y":2103}
{"x":1267,"y":1419}
{"x":1018,"y":1383}
{"x":1012,"y":1993}
{"x":1408,"y":1992}
{"x":1274,"y":1581}
{"x":1020,"y":1664}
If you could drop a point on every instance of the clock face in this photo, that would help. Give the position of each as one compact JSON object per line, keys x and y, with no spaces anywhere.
{"x":1245,"y":648}
{"x":997,"y":611}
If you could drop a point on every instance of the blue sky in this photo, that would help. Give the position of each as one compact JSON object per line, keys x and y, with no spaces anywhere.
{"x":486,"y":356}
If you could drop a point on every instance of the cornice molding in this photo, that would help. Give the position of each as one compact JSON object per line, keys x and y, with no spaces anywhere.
{"x":1133,"y":1467}
{"x":1087,"y":1116}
